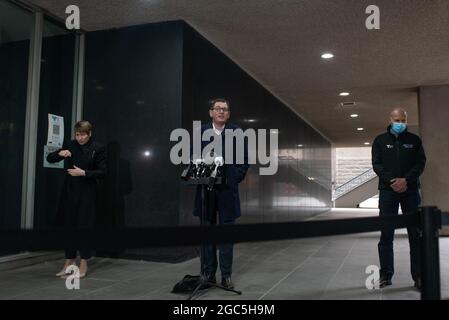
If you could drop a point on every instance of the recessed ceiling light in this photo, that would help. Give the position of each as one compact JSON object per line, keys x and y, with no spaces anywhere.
{"x":344,"y":94}
{"x":327,"y":55}
{"x":360,"y":129}
{"x":367,"y":143}
{"x":355,"y":115}
{"x":251,"y":120}
{"x":300,"y":145}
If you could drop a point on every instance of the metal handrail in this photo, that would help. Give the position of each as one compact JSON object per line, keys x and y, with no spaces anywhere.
{"x":354,"y":183}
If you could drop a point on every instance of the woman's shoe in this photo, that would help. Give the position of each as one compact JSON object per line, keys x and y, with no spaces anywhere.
{"x":82,"y":274}
{"x":64,"y":271}
{"x":83,"y":269}
{"x":61,"y":273}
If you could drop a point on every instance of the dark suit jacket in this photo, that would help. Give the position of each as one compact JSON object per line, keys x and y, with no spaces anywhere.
{"x":227,"y":195}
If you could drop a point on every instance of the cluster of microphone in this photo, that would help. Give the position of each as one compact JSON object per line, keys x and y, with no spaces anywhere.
{"x":208,"y":168}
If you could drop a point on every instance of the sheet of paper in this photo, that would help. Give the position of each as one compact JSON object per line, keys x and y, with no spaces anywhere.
{"x":55,"y":131}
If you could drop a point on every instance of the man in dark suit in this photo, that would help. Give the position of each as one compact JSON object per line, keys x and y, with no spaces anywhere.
{"x":225,"y":201}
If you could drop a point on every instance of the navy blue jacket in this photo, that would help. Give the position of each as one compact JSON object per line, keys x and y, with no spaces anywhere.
{"x":227,"y":195}
{"x":398,"y":157}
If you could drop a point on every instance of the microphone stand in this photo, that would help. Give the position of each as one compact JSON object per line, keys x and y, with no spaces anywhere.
{"x":207,"y":201}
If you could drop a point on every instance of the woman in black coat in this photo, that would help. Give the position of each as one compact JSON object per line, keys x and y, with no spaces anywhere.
{"x":85,"y":163}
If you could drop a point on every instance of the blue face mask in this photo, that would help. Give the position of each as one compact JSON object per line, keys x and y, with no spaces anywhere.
{"x":398,"y":127}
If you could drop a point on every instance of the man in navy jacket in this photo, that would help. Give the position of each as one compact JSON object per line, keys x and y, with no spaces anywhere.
{"x":226,"y":207}
{"x":398,"y":159}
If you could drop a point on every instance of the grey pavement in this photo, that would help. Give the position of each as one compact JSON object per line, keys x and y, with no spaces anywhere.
{"x":312,"y":268}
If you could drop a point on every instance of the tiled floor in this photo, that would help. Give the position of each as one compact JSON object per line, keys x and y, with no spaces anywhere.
{"x":313,"y":268}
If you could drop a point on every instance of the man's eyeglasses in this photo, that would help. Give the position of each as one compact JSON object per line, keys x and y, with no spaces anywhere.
{"x":217,"y":109}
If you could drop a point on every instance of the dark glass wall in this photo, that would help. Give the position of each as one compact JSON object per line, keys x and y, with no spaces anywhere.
{"x":302,"y":185}
{"x":15,"y":31}
{"x":55,"y":97}
{"x":143,"y":82}
{"x":133,"y":88}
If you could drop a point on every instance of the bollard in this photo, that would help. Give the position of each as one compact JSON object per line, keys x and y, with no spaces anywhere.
{"x":430,"y":253}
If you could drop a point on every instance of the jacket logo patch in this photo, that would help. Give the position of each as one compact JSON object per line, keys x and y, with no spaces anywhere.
{"x":390,"y":146}
{"x":408,"y":146}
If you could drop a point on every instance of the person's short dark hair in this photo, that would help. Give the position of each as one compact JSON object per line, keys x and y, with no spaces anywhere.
{"x":214,"y":101}
{"x":83,"y":126}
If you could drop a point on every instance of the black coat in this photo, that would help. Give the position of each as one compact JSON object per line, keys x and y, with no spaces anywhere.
{"x":398,"y":157}
{"x":77,"y":204}
{"x":227,"y":195}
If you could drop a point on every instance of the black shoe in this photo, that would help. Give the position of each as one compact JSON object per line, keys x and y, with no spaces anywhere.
{"x":227,"y":283}
{"x":383,"y":282}
{"x":210,"y":279}
{"x":418,"y":284}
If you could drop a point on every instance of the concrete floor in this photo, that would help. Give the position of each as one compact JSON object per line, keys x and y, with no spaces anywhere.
{"x":313,"y":268}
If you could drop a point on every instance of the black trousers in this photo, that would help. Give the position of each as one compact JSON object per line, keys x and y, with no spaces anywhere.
{"x":209,"y":256}
{"x":209,"y":261}
{"x":389,"y":202}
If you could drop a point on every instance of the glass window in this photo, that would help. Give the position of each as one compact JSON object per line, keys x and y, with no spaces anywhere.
{"x":55,"y":97}
{"x":16,"y":26}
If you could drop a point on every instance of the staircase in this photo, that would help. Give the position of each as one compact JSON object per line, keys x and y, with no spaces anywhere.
{"x":356,"y":190}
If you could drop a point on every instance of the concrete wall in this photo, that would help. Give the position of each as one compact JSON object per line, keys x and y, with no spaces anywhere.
{"x":351,"y":162}
{"x":358,"y":195}
{"x":434,"y":125}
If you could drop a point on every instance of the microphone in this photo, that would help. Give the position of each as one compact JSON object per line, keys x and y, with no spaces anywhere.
{"x":218,"y":163}
{"x":187,"y":172}
{"x":197,"y":169}
{"x":209,"y":159}
{"x":198,"y":162}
